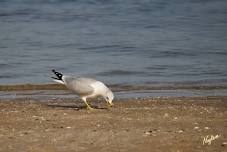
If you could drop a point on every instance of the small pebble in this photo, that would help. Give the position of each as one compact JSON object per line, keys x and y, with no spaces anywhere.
{"x":180,"y":131}
{"x":166,"y":115}
{"x":224,"y":144}
{"x":148,"y":133}
{"x":25,"y":133}
{"x":42,"y":118}
{"x":196,"y":127}
{"x":129,"y":118}
{"x":175,"y":118}
{"x":68,"y":127}
{"x":206,"y":128}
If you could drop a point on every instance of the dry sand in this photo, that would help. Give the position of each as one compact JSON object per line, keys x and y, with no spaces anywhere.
{"x":140,"y":125}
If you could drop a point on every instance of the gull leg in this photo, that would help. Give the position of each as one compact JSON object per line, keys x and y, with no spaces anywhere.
{"x":88,"y":106}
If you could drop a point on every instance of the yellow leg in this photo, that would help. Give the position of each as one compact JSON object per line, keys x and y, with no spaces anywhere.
{"x":88,"y":106}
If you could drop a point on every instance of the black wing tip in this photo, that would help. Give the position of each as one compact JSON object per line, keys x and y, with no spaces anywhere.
{"x":55,"y":72}
{"x":58,"y":74}
{"x":54,"y":78}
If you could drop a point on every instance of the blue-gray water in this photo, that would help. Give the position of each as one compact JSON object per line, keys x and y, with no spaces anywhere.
{"x":116,"y":41}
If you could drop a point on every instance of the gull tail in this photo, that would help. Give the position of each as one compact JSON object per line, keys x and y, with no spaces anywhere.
{"x":58,"y":79}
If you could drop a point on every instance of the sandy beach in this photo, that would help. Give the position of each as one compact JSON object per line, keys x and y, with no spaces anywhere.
{"x":138,"y":124}
{"x":165,"y":62}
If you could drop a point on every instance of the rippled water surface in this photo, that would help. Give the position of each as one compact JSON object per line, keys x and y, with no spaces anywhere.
{"x":117,"y":41}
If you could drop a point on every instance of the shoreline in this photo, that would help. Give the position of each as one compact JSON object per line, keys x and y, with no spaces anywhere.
{"x":116,"y":87}
{"x":143,"y":124}
{"x":49,"y":91}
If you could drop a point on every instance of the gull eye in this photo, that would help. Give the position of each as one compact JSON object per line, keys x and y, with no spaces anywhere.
{"x":107,"y":98}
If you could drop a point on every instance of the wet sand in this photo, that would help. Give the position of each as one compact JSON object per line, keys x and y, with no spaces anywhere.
{"x":143,"y":124}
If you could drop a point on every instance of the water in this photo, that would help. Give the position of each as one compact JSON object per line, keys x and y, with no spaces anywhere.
{"x":116,"y":41}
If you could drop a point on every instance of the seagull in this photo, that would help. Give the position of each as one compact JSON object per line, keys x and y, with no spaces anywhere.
{"x":85,"y":87}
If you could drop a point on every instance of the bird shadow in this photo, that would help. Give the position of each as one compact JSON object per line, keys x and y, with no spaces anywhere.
{"x":75,"y":107}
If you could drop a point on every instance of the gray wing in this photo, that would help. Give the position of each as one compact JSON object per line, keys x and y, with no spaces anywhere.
{"x":80,"y":86}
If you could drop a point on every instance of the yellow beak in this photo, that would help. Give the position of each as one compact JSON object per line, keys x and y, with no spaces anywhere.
{"x":110,"y":104}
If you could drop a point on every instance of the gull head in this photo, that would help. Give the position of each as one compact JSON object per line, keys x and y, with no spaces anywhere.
{"x":109,"y":97}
